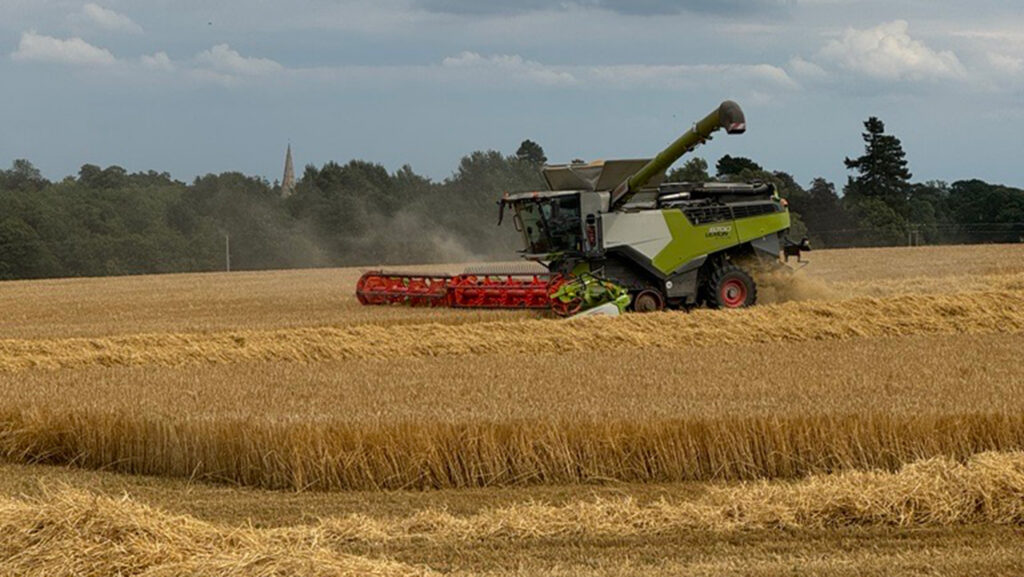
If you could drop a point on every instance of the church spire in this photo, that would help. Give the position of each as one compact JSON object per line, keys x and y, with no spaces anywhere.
{"x":288,"y":182}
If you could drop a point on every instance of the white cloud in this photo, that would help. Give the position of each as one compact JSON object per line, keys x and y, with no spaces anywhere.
{"x":505,"y":67}
{"x":806,"y":69}
{"x":679,"y":76}
{"x":158,"y":61}
{"x":1004,"y":37}
{"x":888,"y":52}
{"x":40,"y":48}
{"x":502,"y":69}
{"x":107,"y":19}
{"x":1004,"y":63}
{"x":222,"y":60}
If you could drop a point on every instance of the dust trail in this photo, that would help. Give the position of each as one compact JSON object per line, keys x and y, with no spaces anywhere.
{"x":783,"y":285}
{"x":786,"y":285}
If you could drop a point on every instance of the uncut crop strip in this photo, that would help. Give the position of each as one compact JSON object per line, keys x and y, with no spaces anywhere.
{"x":340,"y":456}
{"x":496,"y":420}
{"x":961,"y":313}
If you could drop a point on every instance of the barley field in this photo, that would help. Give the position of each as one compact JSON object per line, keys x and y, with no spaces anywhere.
{"x":264,"y":423}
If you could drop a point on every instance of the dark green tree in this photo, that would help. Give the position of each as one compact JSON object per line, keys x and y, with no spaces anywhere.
{"x":881,"y":171}
{"x":734,"y":165}
{"x":22,"y":176}
{"x":878,"y":195}
{"x":694,"y":170}
{"x":928,"y":211}
{"x":987,"y":212}
{"x":112,"y":177}
{"x":530,"y":151}
{"x":22,"y":253}
{"x":151,"y":178}
{"x":878,"y":223}
{"x":828,"y":222}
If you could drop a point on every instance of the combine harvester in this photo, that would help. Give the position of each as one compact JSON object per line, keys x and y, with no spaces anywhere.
{"x":611,"y":236}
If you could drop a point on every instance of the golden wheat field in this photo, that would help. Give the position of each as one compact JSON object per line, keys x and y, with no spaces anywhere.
{"x":866,"y":418}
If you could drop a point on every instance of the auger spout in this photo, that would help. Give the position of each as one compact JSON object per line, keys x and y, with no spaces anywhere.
{"x":728,"y":116}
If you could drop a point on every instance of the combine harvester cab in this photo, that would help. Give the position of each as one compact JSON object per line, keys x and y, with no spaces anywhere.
{"x":611,"y":232}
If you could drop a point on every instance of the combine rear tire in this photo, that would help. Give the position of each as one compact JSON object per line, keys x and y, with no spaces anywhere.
{"x":730,"y":287}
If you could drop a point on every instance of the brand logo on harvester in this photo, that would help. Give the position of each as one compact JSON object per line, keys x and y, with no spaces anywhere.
{"x":718,"y":231}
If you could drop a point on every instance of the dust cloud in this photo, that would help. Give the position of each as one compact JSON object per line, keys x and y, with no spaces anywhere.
{"x":779,"y":285}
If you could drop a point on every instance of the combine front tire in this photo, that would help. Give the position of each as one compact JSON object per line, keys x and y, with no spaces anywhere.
{"x":730,"y":287}
{"x":648,"y":301}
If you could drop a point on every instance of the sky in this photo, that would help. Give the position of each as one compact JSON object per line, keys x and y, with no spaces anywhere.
{"x":192,"y":87}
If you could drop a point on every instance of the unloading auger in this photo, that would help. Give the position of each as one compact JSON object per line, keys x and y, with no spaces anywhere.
{"x":611,"y":234}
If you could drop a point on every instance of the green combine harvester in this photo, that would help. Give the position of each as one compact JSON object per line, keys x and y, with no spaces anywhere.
{"x":613,"y":235}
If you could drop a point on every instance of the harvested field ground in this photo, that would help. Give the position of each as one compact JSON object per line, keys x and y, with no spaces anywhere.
{"x":659,"y":444}
{"x":931,"y":517}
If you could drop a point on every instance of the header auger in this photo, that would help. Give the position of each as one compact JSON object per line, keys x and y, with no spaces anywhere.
{"x":611,"y":235}
{"x":468,"y":290}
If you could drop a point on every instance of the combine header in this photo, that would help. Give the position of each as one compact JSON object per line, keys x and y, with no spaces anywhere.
{"x":565,"y":295}
{"x":482,"y":291}
{"x":611,"y":235}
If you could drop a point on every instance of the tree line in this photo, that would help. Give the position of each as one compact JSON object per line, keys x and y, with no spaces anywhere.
{"x":107,"y":221}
